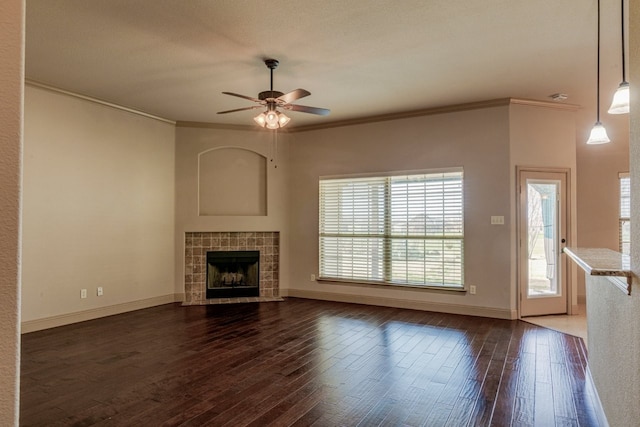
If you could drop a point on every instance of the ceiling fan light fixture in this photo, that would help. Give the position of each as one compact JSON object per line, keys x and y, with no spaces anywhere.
{"x":620,"y":104}
{"x":272,"y":119}
{"x":598,"y":135}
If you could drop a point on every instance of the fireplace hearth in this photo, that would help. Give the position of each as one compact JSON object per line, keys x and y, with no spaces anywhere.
{"x":233,"y":274}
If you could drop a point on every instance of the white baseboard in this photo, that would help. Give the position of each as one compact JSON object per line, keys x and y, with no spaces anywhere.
{"x":95,"y":313}
{"x":602,"y":417}
{"x":496,"y":313}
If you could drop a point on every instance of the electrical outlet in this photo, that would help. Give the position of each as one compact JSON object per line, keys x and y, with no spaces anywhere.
{"x":83,"y":293}
{"x":472,"y":289}
{"x":313,"y":277}
{"x":99,"y":291}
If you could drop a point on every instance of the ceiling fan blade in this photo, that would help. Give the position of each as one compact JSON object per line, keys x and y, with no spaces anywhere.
{"x":242,"y":96}
{"x":305,"y":109}
{"x":253,"y":107}
{"x":293,"y":95}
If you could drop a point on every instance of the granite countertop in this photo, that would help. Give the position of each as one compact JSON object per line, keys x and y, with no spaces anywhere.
{"x":602,"y":262}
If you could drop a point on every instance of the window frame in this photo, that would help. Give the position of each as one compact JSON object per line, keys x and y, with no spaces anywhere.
{"x":387,"y":237}
{"x":621,"y":218}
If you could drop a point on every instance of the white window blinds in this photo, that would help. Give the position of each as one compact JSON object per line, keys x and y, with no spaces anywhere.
{"x":401,"y":229}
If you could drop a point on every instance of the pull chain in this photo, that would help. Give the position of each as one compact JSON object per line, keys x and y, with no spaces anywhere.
{"x":274,"y":149}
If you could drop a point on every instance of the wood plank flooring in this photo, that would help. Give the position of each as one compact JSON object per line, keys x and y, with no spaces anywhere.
{"x":302,"y":363}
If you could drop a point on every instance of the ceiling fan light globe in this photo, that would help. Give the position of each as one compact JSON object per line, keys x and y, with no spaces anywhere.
{"x":271,"y":118}
{"x":283,"y":120}
{"x":620,"y":104}
{"x":261,"y":119}
{"x":272,"y":125}
{"x":598,"y":135}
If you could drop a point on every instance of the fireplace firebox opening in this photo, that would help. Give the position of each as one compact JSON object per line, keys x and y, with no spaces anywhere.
{"x":233,"y":274}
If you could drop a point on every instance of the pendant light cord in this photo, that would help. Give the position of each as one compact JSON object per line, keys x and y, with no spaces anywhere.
{"x":624,"y":75}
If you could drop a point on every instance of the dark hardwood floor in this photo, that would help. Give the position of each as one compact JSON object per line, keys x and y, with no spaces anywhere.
{"x":302,"y":362}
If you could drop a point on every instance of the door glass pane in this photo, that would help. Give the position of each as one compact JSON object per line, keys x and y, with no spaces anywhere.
{"x":542,"y":238}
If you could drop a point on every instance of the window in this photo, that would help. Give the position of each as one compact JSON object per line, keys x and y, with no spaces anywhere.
{"x":397,"y":229}
{"x":625,"y":213}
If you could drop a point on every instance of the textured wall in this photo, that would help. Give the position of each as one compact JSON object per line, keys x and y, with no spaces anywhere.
{"x":545,"y":137}
{"x":232,"y":182}
{"x":98,"y":206}
{"x":614,"y":349}
{"x":599,"y":188}
{"x":477,"y":140}
{"x":11,"y":88}
{"x":488,"y":143}
{"x":190,"y":143}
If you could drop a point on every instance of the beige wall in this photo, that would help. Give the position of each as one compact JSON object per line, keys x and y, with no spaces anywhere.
{"x":98,"y":206}
{"x":488,"y":143}
{"x":598,"y":188}
{"x":11,"y":88}
{"x":544,"y":137}
{"x":190,"y":142}
{"x":477,"y":140}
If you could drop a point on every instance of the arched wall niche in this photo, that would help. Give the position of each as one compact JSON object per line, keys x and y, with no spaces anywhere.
{"x":232,"y":182}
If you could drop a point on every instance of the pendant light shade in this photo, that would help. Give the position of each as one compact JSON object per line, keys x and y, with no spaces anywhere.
{"x":620,"y":104}
{"x":598,"y":135}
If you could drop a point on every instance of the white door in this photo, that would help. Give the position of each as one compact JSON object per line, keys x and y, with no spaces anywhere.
{"x":543,"y":226}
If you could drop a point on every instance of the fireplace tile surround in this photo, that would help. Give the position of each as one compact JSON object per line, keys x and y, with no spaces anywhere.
{"x":195,"y":262}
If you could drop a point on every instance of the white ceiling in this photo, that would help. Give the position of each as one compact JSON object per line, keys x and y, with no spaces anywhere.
{"x":359,"y":58}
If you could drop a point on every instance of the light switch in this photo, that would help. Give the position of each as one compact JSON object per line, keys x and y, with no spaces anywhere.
{"x":497,"y":220}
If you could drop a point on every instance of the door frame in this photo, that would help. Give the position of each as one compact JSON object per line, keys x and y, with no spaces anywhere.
{"x":568,"y":232}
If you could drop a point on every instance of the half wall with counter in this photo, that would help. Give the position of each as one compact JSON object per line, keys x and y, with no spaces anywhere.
{"x":613,"y":332}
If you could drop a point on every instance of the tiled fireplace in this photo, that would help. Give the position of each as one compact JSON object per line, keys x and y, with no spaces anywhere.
{"x":197,"y":244}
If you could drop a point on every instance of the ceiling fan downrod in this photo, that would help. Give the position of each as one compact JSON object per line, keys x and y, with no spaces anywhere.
{"x":272,"y":64}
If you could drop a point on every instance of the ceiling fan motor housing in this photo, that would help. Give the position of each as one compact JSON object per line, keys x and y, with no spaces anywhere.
{"x":269,"y":94}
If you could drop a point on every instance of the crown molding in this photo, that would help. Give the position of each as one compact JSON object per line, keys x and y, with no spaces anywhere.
{"x":552,"y":105}
{"x":208,"y":125}
{"x":500,"y":102}
{"x":33,"y":83}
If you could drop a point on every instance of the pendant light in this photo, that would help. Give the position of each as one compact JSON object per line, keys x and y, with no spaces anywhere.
{"x":598,"y":133}
{"x":620,"y":104}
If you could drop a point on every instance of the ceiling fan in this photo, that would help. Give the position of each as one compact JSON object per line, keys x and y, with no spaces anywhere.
{"x":272,"y":100}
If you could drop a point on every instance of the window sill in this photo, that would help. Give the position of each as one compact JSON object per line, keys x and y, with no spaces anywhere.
{"x":455,"y":289}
